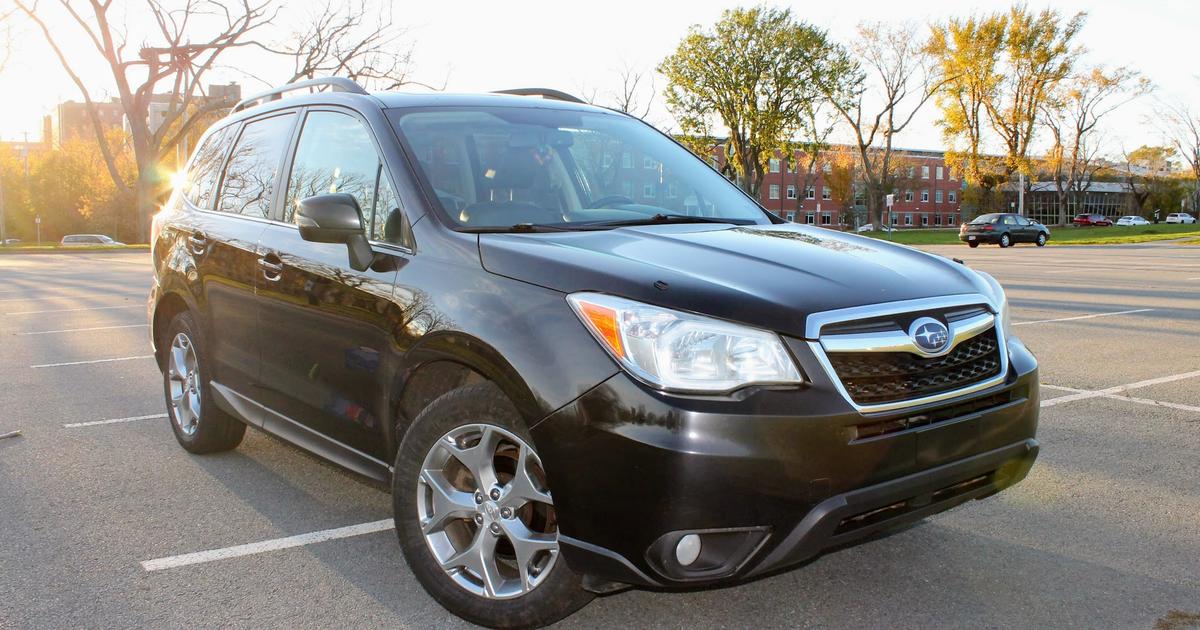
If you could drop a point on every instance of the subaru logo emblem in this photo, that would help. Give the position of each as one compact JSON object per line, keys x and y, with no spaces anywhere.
{"x":930,"y":335}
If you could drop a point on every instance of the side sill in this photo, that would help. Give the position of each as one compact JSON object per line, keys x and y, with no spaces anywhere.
{"x":256,"y":415}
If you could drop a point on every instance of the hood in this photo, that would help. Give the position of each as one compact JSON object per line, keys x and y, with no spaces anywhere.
{"x":771,"y":277}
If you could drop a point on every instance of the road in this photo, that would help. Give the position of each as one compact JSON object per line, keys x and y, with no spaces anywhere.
{"x":1105,"y":532}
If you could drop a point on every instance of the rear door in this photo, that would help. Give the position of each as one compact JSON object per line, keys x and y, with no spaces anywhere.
{"x":225,"y":244}
{"x":326,"y":328}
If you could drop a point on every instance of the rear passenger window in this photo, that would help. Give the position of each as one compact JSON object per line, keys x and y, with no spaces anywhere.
{"x":253,"y":166}
{"x":336,"y":155}
{"x":206,"y":167}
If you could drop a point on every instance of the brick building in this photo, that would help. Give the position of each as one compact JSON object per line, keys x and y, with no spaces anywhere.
{"x":71,"y":120}
{"x":929,"y":196}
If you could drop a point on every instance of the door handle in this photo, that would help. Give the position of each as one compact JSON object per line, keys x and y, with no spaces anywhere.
{"x":270,"y":270}
{"x":198,"y":243}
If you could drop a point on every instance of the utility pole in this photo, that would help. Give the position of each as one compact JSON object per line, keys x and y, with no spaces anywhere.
{"x":3,"y":219}
{"x":1021,"y":194}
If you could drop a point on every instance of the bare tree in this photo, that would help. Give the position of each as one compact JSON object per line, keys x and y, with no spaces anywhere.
{"x":1181,"y":126}
{"x":1072,"y":113}
{"x":177,"y":62}
{"x":6,"y":36}
{"x":354,"y":40}
{"x":903,"y":77}
{"x":635,"y":96}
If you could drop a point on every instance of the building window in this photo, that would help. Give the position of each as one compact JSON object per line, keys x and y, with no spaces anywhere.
{"x":627,"y":160}
{"x":791,"y":192}
{"x":937,"y":219}
{"x":774,"y":191}
{"x":648,"y":163}
{"x":912,"y":172}
{"x":951,"y":220}
{"x":939,"y":172}
{"x":924,"y":172}
{"x":827,"y":168}
{"x":791,"y":217}
{"x":810,"y":193}
{"x":925,"y":195}
{"x":607,"y":161}
{"x":908,"y":196}
{"x":627,"y":188}
{"x":810,"y":218}
{"x":895,"y":219}
{"x":924,"y":220}
{"x":648,"y":191}
{"x":672,"y":191}
{"x":953,"y":196}
{"x":937,"y":195}
{"x":773,"y":165}
{"x":907,"y":219}
{"x":826,"y":218}
{"x":826,"y":193}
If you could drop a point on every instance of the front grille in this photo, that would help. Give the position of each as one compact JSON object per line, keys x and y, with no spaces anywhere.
{"x":883,"y":377}
{"x":869,"y":430}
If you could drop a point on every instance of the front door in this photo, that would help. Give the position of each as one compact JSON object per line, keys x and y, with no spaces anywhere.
{"x":326,"y":328}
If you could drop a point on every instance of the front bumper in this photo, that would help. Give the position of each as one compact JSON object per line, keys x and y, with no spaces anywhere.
{"x":772,"y":477}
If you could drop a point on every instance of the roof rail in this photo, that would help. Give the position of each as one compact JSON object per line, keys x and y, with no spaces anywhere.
{"x":337,"y":84}
{"x":547,"y":93}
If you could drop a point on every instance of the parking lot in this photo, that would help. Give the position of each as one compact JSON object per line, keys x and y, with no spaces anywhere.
{"x":100,"y":509}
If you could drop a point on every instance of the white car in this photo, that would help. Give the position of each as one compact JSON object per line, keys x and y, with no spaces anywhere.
{"x":871,"y":227}
{"x":1132,"y":220}
{"x":84,"y":240}
{"x":1180,"y":217}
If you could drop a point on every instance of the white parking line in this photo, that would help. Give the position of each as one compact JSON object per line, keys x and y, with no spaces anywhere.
{"x":67,"y":330}
{"x":275,"y":544}
{"x":93,"y":423}
{"x":73,"y":310}
{"x":1085,"y":394}
{"x":1068,"y":319}
{"x":66,"y":296}
{"x":50,"y":365}
{"x":1132,"y":399}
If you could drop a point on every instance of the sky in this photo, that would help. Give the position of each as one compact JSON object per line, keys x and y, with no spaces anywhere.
{"x":480,"y":46}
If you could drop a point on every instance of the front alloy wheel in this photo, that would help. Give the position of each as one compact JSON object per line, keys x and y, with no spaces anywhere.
{"x":485,"y":512}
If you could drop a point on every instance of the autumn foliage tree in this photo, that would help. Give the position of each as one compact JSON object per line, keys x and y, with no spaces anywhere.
{"x":753,"y":75}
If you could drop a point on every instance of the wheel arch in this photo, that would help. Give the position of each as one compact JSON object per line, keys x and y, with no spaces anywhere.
{"x":168,"y":306}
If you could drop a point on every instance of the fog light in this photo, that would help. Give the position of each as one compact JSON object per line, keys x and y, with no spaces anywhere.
{"x":688,"y":549}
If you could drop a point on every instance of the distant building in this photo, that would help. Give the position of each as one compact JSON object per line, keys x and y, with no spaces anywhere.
{"x":1111,"y":199}
{"x":160,"y":104}
{"x":71,"y":120}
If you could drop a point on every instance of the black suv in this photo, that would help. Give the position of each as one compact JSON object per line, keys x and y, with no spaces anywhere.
{"x":581,"y":357}
{"x":1003,"y":229}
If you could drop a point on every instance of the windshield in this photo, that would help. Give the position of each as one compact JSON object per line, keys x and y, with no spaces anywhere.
{"x":503,"y":166}
{"x":985,"y":218}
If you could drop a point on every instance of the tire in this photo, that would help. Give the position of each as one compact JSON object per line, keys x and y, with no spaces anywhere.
{"x":972,"y":244}
{"x":1005,"y":240}
{"x":199,"y":426}
{"x":1041,"y":239}
{"x":425,"y":458}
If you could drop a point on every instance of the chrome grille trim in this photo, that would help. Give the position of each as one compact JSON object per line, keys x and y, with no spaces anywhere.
{"x":890,"y":342}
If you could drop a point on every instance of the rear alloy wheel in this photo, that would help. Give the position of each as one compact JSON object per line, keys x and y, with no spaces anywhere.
{"x":1041,"y":239}
{"x":1005,"y":240}
{"x":199,"y":426}
{"x":475,"y":516}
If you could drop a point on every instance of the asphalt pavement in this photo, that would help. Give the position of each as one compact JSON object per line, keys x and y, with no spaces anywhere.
{"x":99,"y":506}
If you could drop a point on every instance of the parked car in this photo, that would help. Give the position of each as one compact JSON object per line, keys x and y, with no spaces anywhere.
{"x":870,"y":227}
{"x":569,"y":387}
{"x":1091,"y":220}
{"x":1003,"y":229}
{"x":1180,"y":217}
{"x":1132,"y":220}
{"x":12,"y":241}
{"x":84,"y":240}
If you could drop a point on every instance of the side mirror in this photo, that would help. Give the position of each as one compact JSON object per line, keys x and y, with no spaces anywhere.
{"x":335,"y":218}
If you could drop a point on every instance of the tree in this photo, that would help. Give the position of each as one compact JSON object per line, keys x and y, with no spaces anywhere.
{"x":177,"y":62}
{"x":1000,"y":69}
{"x":899,"y":77}
{"x":1072,"y":113}
{"x":841,"y":178}
{"x":635,"y":96}
{"x":1181,"y":125}
{"x":1147,"y":170}
{"x":754,"y":72}
{"x":354,"y":40}
{"x":6,"y":36}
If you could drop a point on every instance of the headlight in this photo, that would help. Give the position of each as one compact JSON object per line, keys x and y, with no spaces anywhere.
{"x":684,"y":352}
{"x":1001,"y":301}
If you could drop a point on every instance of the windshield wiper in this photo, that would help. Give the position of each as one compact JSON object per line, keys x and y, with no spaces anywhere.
{"x":659,"y":219}
{"x":519,"y":228}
